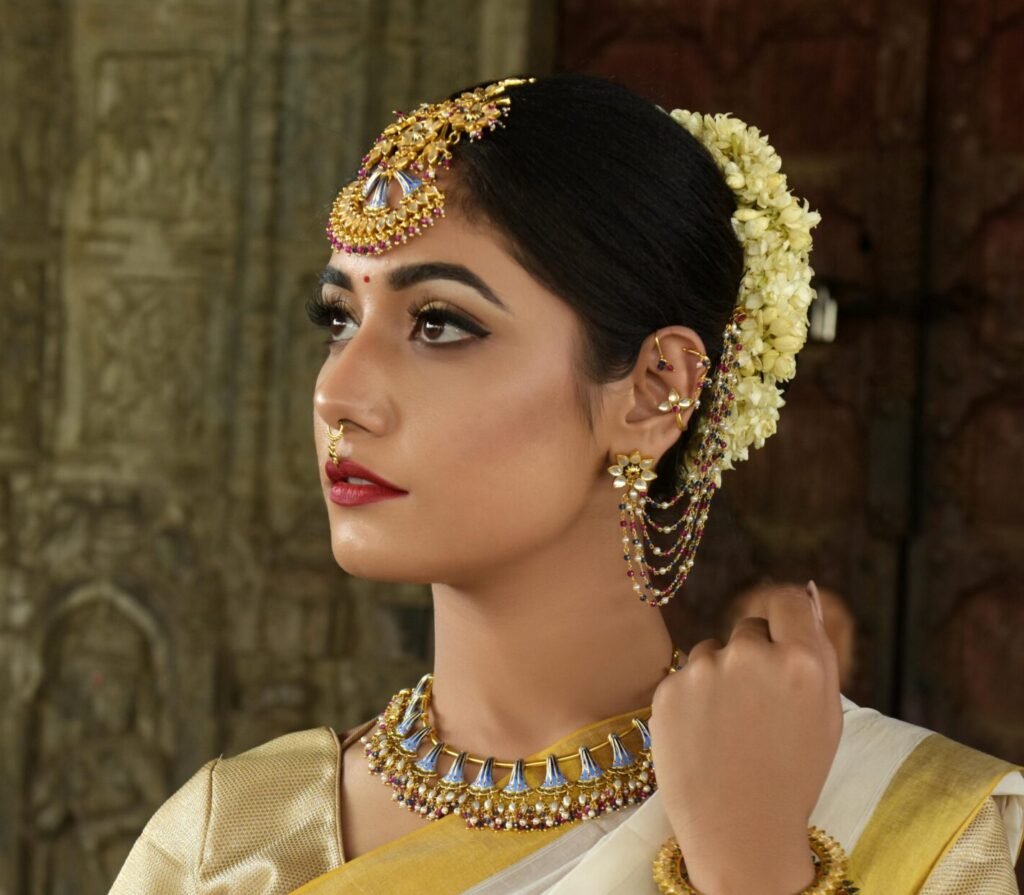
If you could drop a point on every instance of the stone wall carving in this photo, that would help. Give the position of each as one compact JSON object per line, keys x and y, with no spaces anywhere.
{"x":98,"y":757}
{"x":23,"y":321}
{"x":157,"y":121}
{"x":148,"y":366}
{"x":167,"y":591}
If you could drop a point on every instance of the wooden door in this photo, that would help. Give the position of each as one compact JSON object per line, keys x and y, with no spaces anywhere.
{"x":894,"y":478}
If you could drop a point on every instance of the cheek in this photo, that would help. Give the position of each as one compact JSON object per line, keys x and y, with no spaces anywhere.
{"x":514,"y":466}
{"x":515,"y":450}
{"x":498,"y":470}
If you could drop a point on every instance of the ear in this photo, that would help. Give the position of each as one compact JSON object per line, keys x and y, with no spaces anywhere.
{"x":636,"y":422}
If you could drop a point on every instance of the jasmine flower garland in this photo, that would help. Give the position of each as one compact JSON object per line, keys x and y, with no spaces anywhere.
{"x":774,"y":229}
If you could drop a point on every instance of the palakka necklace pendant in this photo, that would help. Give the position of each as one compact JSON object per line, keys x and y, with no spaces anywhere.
{"x":393,"y":750}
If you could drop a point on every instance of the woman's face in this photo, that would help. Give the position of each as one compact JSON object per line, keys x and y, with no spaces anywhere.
{"x":478,"y":422}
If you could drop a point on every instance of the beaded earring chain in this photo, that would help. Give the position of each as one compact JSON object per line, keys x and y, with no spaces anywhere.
{"x":633,"y":472}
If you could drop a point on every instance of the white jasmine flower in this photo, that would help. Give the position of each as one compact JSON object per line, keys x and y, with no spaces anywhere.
{"x":774,"y":229}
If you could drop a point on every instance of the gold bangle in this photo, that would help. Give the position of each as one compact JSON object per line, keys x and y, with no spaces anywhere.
{"x":829,"y":860}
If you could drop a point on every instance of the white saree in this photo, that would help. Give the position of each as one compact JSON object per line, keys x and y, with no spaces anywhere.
{"x":894,"y":798}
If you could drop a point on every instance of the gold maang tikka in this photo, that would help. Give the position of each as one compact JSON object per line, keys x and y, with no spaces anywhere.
{"x":633,"y":472}
{"x":410,"y":151}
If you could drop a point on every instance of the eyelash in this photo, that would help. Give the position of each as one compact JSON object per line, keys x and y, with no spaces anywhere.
{"x":326,"y":314}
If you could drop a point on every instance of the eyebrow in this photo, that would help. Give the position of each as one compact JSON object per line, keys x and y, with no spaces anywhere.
{"x":412,"y":274}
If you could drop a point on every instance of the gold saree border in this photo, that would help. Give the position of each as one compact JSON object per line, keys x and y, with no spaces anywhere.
{"x":422,"y":861}
{"x":934,"y":794}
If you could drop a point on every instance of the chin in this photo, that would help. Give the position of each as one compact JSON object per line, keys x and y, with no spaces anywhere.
{"x":375,"y":564}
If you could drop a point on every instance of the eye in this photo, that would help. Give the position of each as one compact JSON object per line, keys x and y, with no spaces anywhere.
{"x":331,"y":315}
{"x":435,"y":319}
{"x":436,"y":322}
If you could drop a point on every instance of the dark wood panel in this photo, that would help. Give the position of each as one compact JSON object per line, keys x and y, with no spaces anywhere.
{"x":838,"y":89}
{"x":965,"y":653}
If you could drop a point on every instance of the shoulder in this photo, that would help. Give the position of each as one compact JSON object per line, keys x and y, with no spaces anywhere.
{"x":295,"y":759}
{"x":283,"y":792}
{"x":901,"y":793}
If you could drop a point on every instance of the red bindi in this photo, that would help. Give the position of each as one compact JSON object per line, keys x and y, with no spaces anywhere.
{"x":366,"y":278}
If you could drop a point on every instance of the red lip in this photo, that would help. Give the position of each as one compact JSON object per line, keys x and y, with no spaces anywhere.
{"x":338,"y":472}
{"x":353,"y":494}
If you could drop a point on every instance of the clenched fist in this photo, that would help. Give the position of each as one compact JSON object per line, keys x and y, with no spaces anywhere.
{"x":744,"y":736}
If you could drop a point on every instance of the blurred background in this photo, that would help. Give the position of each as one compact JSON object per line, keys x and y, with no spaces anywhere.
{"x":167,"y":591}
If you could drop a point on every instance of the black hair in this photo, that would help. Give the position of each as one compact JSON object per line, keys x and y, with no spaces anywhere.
{"x":618,"y":210}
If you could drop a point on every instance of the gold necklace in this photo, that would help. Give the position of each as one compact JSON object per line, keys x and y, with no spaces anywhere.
{"x":392,"y":751}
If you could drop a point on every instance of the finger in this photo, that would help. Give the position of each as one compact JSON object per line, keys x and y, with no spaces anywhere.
{"x":812,"y":589}
{"x":706,"y":648}
{"x":752,"y":628}
{"x":792,"y":618}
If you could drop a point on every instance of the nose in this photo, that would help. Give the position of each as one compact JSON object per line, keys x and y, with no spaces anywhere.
{"x":348,"y":389}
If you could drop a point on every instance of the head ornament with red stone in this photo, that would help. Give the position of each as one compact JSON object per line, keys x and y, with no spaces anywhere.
{"x":410,"y":152}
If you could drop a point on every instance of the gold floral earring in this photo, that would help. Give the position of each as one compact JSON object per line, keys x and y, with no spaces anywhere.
{"x":634,"y":472}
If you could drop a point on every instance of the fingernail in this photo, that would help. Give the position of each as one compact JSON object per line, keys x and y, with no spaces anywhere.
{"x":812,"y":591}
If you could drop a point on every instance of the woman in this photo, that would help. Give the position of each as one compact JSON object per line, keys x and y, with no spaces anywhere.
{"x":554,"y":315}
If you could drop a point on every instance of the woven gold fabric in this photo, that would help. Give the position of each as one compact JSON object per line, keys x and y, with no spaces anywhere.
{"x":924,"y":809}
{"x":978,"y":862}
{"x":261,"y":823}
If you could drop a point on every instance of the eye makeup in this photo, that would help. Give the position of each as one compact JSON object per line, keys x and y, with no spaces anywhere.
{"x":336,"y":313}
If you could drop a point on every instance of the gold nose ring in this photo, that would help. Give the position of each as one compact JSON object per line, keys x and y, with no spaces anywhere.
{"x":333,"y":438}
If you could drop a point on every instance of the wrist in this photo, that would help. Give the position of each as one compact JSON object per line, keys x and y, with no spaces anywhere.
{"x":742,"y":871}
{"x":777,"y":869}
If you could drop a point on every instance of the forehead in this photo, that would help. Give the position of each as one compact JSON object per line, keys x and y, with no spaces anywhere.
{"x":452,"y":240}
{"x":457,"y":242}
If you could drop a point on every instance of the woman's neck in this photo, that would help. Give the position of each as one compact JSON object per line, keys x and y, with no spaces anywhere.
{"x":533,"y":651}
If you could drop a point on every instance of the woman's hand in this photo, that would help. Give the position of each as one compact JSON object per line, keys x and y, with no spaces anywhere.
{"x":743,"y":738}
